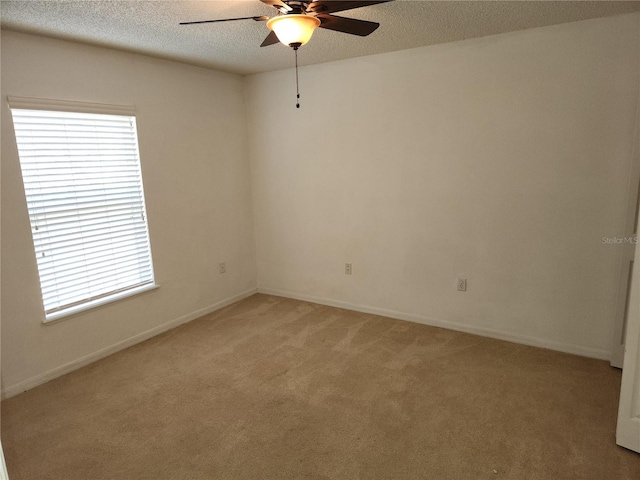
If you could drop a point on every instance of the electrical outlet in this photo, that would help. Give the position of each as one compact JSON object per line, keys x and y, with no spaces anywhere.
{"x":347,"y":269}
{"x":462,"y":284}
{"x":223,"y":267}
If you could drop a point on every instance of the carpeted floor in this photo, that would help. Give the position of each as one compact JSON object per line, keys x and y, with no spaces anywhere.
{"x":272,"y":388}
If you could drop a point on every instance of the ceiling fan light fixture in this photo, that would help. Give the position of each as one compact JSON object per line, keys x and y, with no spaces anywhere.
{"x":293,"y":29}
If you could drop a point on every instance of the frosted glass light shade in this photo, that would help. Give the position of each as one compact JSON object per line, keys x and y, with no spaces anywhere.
{"x":293,"y":28}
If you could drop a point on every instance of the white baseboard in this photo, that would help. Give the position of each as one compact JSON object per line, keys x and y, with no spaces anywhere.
{"x":460,"y":327}
{"x":25,"y":385}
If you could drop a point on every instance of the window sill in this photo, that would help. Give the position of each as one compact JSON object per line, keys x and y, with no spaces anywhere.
{"x":72,"y":311}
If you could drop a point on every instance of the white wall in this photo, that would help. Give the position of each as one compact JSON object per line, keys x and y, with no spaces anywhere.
{"x":192,"y":137}
{"x":503,"y":159}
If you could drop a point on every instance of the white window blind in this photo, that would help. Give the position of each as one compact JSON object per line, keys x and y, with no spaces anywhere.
{"x":83,"y":186}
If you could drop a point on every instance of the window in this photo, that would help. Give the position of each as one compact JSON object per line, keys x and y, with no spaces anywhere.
{"x":83,"y":185}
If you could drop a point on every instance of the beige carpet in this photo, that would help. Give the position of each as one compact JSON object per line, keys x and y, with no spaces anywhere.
{"x":272,"y":388}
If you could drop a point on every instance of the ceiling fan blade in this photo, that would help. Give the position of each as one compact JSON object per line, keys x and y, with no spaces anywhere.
{"x":331,"y":6}
{"x":279,"y":4}
{"x":347,"y":25}
{"x":271,"y":39}
{"x":257,"y":19}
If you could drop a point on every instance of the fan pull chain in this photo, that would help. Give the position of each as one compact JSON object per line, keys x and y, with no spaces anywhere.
{"x":297,"y":87}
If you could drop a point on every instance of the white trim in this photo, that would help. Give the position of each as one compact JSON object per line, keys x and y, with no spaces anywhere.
{"x":628,"y":426}
{"x":25,"y":385}
{"x":20,"y":387}
{"x":28,"y":103}
{"x":460,"y":327}
{"x":628,"y":250}
{"x":83,"y":307}
{"x":3,"y":468}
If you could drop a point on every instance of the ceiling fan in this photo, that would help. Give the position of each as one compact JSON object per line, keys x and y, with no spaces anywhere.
{"x":296,"y":20}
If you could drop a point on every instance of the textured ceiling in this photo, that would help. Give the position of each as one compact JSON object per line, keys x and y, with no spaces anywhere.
{"x":151,"y":27}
